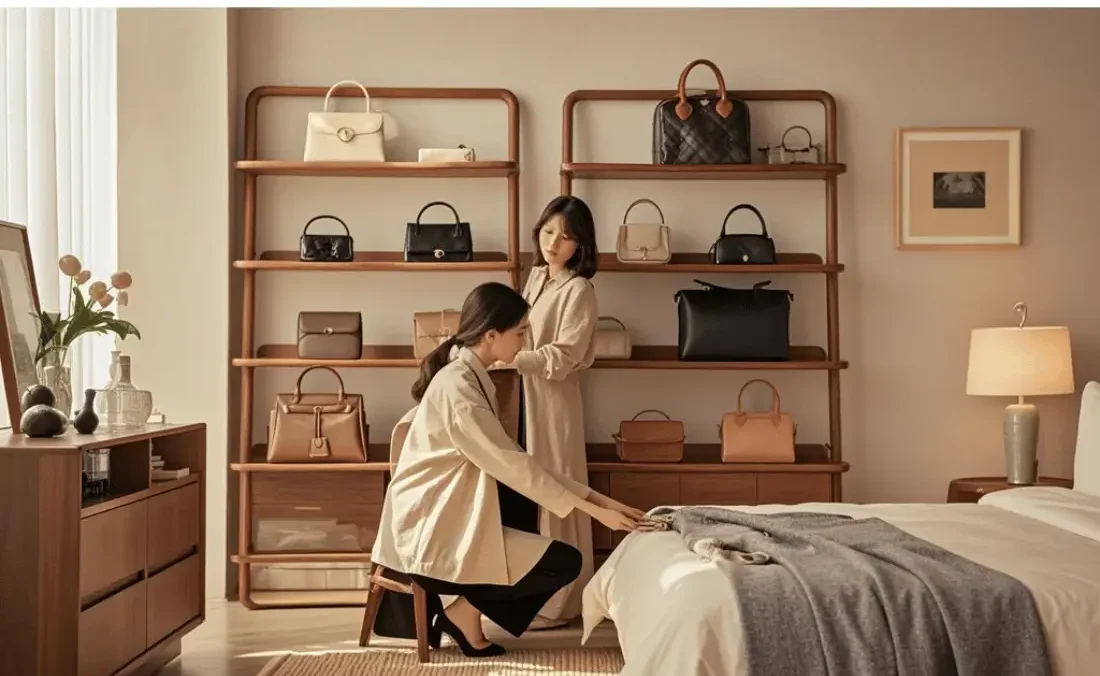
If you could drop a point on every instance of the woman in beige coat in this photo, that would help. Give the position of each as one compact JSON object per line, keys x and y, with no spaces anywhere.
{"x":560,"y":343}
{"x":441,"y":519}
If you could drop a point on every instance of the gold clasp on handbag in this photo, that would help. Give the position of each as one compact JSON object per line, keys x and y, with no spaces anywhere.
{"x":345,"y":134}
{"x":438,"y":253}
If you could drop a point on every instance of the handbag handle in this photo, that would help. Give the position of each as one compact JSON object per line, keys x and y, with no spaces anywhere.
{"x":740,"y":415}
{"x":651,"y":410}
{"x":429,"y":205}
{"x":644,"y":201}
{"x":612,"y":319}
{"x":298,"y":385}
{"x":763,"y":225}
{"x":347,"y":82}
{"x":323,"y":216}
{"x":683,"y":109}
{"x":809,"y":138}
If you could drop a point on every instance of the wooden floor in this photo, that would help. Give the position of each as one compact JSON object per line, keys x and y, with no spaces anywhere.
{"x":235,"y":641}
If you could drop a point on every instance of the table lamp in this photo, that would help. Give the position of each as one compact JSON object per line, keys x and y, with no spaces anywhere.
{"x":1020,"y":361}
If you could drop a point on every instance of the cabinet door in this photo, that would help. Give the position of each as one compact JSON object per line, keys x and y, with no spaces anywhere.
{"x":790,"y":488}
{"x":718,"y":489}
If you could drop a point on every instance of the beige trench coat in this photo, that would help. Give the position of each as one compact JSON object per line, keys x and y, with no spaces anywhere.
{"x":441,"y":515}
{"x":560,"y":343}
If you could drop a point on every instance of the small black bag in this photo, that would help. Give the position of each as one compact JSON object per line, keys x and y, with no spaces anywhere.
{"x":702,"y":129}
{"x":326,"y":248}
{"x":743,"y":249}
{"x":438,"y":242}
{"x":722,"y":324}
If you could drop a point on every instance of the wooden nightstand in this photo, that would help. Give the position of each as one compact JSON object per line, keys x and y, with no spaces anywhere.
{"x":971,"y":489}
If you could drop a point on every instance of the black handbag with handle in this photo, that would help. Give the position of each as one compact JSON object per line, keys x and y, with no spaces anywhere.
{"x":743,"y":248}
{"x":702,"y":129}
{"x":326,"y":248}
{"x":717,"y":323}
{"x":438,"y":242}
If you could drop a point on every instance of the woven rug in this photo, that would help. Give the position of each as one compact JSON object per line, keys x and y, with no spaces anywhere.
{"x":402,"y":662}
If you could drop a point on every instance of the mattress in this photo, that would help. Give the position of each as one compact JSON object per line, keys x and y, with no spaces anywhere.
{"x":675,"y":613}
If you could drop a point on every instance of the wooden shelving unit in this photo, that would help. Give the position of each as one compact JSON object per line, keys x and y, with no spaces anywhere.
{"x":349,"y":493}
{"x":701,"y":477}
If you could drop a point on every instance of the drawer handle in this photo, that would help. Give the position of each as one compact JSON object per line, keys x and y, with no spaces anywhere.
{"x":308,"y":509}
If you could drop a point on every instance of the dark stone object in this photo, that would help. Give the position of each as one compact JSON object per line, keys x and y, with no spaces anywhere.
{"x":86,"y":421}
{"x":42,"y":421}
{"x":37,"y":394}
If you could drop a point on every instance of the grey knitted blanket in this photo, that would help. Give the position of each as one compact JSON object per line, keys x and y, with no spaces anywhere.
{"x":829,"y":594}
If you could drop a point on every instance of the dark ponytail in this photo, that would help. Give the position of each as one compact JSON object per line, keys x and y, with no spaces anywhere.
{"x":490,"y":306}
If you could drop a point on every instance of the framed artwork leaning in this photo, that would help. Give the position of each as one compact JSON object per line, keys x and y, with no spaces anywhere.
{"x":18,"y":327}
{"x":957,"y":188}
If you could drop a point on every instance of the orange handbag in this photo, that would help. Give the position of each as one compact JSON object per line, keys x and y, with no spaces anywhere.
{"x":766,"y":436}
{"x":650,"y":440}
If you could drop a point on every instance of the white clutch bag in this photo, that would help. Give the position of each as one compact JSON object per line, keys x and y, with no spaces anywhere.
{"x":612,"y":342}
{"x":346,"y":136}
{"x":459,"y":154}
{"x":643,"y":242}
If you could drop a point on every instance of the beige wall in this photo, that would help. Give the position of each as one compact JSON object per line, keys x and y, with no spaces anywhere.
{"x":173,"y":207}
{"x":908,"y":426}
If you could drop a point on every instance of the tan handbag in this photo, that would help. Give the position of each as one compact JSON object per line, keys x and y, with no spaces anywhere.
{"x":612,"y":342}
{"x":643,"y":242}
{"x":318,"y":426}
{"x":650,"y":440}
{"x":757,"y":437}
{"x":330,"y":335}
{"x":432,"y":329}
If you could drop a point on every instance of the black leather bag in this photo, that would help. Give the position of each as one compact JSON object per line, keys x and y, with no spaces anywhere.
{"x":722,"y":324}
{"x":702,"y":129}
{"x":438,"y":242}
{"x":326,"y":248}
{"x":743,"y":249}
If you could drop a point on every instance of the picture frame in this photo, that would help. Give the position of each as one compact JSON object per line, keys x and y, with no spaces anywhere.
{"x":957,"y":188}
{"x":18,"y":328}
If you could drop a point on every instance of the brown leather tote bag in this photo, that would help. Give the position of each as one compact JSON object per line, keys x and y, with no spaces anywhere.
{"x":318,"y":426}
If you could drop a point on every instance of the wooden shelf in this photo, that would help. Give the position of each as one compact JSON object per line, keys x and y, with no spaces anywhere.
{"x":378,"y":460}
{"x":714,"y":172}
{"x":93,"y":506}
{"x":707,"y":458}
{"x":803,"y":357}
{"x":699,"y":263}
{"x":492,"y":169}
{"x":377,"y":261}
{"x":302,"y":557}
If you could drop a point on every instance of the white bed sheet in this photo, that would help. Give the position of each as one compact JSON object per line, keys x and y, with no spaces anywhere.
{"x":677,"y":614}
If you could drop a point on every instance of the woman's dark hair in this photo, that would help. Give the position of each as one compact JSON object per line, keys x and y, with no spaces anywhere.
{"x":577,"y":219}
{"x":490,"y":306}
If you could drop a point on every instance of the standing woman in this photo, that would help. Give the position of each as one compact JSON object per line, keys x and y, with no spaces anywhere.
{"x":560,"y":343}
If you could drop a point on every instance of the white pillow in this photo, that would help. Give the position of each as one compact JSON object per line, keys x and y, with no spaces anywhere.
{"x":1086,"y":462}
{"x":1063,"y":508}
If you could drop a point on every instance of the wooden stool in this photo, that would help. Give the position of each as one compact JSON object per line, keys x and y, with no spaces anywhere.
{"x":377,"y":587}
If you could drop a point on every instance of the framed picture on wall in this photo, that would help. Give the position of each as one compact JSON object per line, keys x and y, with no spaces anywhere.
{"x":957,"y":188}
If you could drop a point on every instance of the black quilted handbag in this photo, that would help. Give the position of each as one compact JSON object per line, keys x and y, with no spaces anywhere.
{"x":701,"y":129}
{"x":326,"y":248}
{"x":743,"y":248}
{"x":438,"y":242}
{"x":722,"y":324}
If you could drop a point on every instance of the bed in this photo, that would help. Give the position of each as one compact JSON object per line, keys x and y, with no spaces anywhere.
{"x":676,"y":613}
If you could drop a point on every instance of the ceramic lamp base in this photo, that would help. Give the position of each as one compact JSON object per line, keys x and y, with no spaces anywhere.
{"x":1021,"y":438}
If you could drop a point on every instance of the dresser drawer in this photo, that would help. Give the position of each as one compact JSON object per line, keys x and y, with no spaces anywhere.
{"x":175,"y":598}
{"x":112,"y":548}
{"x":173,"y":526}
{"x":790,"y":489}
{"x":112,"y":632}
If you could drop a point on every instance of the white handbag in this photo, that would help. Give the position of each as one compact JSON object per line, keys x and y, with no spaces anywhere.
{"x":459,"y":154}
{"x":346,"y":136}
{"x":612,"y":343}
{"x":643,"y":242}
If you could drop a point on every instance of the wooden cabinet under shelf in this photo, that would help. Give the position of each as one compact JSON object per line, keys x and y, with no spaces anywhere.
{"x":104,"y":586}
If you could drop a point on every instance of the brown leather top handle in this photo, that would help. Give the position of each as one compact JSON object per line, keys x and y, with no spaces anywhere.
{"x":298,"y":384}
{"x":775,"y":397}
{"x":683,"y":108}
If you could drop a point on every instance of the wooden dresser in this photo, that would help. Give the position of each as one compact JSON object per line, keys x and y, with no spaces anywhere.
{"x":105,"y":585}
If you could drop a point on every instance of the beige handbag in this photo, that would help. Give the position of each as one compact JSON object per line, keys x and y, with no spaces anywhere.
{"x":612,"y":342}
{"x":432,"y":329}
{"x":347,"y":136}
{"x":460,"y":154}
{"x":317,"y":426}
{"x":643,"y":242}
{"x":757,"y":437}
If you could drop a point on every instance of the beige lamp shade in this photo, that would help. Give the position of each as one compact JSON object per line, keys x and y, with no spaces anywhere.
{"x":1020,"y":361}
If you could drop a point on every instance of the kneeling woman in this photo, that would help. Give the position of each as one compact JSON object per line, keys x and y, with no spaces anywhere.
{"x":441,"y":520}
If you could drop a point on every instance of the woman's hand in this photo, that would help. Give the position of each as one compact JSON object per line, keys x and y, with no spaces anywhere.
{"x":614,"y":519}
{"x":602,"y":500}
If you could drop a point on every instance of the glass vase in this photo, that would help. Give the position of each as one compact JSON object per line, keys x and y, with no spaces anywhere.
{"x":54,"y":373}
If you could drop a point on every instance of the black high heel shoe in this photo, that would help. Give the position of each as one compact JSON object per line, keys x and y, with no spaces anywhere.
{"x":443,"y":625}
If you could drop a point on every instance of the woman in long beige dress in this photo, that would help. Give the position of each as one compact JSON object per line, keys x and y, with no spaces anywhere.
{"x":560,"y":344}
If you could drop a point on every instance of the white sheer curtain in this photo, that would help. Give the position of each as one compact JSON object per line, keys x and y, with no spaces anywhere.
{"x":58,"y":146}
